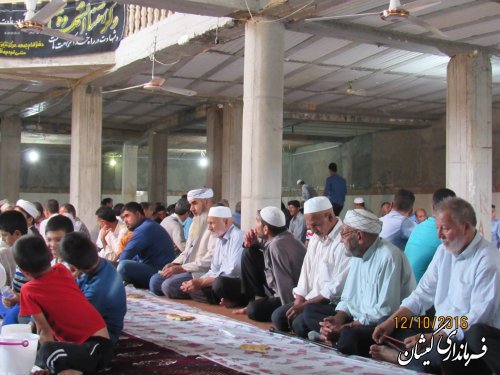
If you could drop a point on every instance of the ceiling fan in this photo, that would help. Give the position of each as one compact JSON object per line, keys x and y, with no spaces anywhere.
{"x":155,"y":84}
{"x":395,"y":13}
{"x":349,"y":90}
{"x":35,"y":23}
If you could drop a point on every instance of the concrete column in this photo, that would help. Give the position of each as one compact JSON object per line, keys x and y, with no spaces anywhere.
{"x":158,"y":150}
{"x":262,"y":118}
{"x":231,"y":148}
{"x":86,"y":150}
{"x":10,"y":158}
{"x":129,"y":172}
{"x":469,"y":133}
{"x":214,"y":150}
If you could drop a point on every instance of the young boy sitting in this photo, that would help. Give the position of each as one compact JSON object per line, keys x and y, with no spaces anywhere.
{"x":57,"y":227}
{"x":99,"y":280}
{"x":73,"y":335}
{"x":13,"y":225}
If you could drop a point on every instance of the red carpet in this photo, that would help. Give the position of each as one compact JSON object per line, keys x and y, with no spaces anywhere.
{"x":136,"y":356}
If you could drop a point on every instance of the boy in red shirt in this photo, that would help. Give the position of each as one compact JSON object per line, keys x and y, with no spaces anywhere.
{"x":73,"y":335}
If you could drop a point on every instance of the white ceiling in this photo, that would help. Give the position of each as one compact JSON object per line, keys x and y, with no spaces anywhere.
{"x":400,"y":66}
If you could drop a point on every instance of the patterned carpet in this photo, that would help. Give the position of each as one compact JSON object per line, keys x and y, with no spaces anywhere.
{"x":136,"y":356}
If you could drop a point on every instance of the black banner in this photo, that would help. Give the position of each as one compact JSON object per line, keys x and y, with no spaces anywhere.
{"x":101,"y":23}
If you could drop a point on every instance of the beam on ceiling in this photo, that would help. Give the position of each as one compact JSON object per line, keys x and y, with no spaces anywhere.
{"x":390,"y":38}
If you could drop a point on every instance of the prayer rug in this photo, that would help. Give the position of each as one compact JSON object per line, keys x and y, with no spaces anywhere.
{"x":135,"y":356}
{"x":221,"y":339}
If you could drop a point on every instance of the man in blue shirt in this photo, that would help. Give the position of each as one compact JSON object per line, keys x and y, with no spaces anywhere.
{"x":397,"y":225}
{"x":149,"y":249}
{"x":335,"y":189}
{"x":424,"y":241}
{"x":98,"y":280}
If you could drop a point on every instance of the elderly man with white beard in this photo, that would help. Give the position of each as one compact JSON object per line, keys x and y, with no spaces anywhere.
{"x":196,"y":258}
{"x":462,"y":282}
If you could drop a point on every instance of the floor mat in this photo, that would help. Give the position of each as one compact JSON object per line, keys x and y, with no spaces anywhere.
{"x":136,"y":356}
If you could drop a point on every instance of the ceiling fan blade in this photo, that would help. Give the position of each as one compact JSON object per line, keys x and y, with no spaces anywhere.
{"x":427,"y":26}
{"x":7,"y":24}
{"x":426,"y":4}
{"x":123,"y":89}
{"x":48,"y":11}
{"x":318,"y":19}
{"x":61,"y":35}
{"x":178,"y":91}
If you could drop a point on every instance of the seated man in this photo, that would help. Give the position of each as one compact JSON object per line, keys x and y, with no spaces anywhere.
{"x":147,"y":251}
{"x":98,"y":280}
{"x":111,"y":233}
{"x":323,"y":273}
{"x":297,"y":224}
{"x":173,"y":224}
{"x":462,"y":282}
{"x":196,"y":258}
{"x":222,"y":281}
{"x":379,"y":278}
{"x":270,"y":264}
{"x":396,"y":225}
{"x":73,"y":335}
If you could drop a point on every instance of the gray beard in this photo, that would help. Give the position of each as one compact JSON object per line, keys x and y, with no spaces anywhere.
{"x":198,"y":226}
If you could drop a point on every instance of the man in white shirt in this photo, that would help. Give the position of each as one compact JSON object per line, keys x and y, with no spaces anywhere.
{"x":462,"y":282}
{"x":323,"y":272}
{"x":380,"y":276}
{"x":173,"y":224}
{"x":196,"y":258}
{"x":223,"y":278}
{"x":111,"y":233}
{"x":397,"y":226}
{"x":51,"y":209}
{"x":297,"y":224}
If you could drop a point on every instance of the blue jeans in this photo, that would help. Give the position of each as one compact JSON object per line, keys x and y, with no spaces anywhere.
{"x":136,"y":273}
{"x":171,"y":286}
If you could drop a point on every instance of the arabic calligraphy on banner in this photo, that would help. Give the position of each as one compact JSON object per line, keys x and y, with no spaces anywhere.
{"x":101,"y":23}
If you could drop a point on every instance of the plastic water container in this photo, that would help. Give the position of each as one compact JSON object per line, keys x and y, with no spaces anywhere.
{"x":15,"y":328}
{"x":18,"y":353}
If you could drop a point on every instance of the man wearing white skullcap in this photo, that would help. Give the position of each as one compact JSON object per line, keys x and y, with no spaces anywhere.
{"x":222,"y":281}
{"x":270,"y":264}
{"x":323,"y":272}
{"x":30,"y":212}
{"x":195,"y":260}
{"x":379,"y":278}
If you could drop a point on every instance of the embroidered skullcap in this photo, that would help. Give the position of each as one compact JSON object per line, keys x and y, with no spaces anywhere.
{"x":29,"y":207}
{"x":363,"y":220}
{"x":317,"y":204}
{"x":299,"y":181}
{"x":359,"y":200}
{"x":203,"y":193}
{"x":273,"y":216}
{"x":220,"y":211}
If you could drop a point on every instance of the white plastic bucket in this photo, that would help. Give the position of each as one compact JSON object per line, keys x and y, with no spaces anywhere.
{"x":17,"y":353}
{"x":15,"y":328}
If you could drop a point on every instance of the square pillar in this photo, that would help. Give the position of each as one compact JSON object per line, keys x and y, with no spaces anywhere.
{"x":10,"y":158}
{"x":158,"y":152}
{"x":469,"y":133}
{"x":129,"y":172}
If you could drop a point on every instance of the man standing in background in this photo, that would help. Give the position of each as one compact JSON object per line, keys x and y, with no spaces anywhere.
{"x":335,"y":189}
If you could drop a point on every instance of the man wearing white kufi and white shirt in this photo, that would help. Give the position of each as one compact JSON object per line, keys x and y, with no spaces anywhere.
{"x":379,"y":278}
{"x":323,"y":273}
{"x":30,"y":212}
{"x":222,"y":281}
{"x":196,"y":258}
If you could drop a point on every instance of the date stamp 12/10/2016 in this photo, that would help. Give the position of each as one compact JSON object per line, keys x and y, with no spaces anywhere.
{"x":427,"y":322}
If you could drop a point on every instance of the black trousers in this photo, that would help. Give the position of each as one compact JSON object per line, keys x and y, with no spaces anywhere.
{"x":314,"y":313}
{"x":93,"y":355}
{"x":254,"y":286}
{"x":225,"y":287}
{"x":337,"y":208}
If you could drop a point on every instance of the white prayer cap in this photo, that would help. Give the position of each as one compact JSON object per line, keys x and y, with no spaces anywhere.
{"x":220,"y":211}
{"x":203,"y":193}
{"x":273,"y":216}
{"x":363,"y":220}
{"x":359,"y":200}
{"x":317,"y":204}
{"x":29,"y":207}
{"x":299,"y":181}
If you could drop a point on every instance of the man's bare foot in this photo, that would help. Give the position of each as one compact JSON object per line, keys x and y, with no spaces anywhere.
{"x":242,"y":311}
{"x":227,"y":303}
{"x":70,"y":372}
{"x":384,"y":353}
